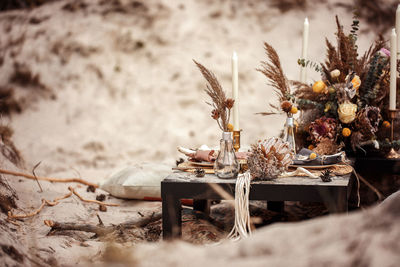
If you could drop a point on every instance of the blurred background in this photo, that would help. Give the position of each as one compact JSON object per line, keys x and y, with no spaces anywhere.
{"x":91,"y":85}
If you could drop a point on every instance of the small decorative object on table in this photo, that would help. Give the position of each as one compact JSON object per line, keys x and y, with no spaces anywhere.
{"x":326,"y":176}
{"x":226,"y":165}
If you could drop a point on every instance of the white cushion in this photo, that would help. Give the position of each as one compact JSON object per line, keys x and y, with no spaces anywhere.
{"x":137,"y":181}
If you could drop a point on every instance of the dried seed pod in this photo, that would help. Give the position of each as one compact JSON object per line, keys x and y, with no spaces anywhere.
{"x":229,"y":103}
{"x":215,"y":114}
{"x":286,"y":106}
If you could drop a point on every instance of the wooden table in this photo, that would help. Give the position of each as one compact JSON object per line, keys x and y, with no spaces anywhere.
{"x":182,"y":185}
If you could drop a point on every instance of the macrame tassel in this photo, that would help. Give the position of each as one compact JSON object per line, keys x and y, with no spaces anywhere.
{"x":241,"y":228}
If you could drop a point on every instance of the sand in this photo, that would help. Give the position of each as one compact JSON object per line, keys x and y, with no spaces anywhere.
{"x":115,"y":84}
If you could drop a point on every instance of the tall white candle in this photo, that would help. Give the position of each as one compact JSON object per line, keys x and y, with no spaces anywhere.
{"x":398,"y":29}
{"x":235,"y":92}
{"x":393,"y":72}
{"x":303,"y":70}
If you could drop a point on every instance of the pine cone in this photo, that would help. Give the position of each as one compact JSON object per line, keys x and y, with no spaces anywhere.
{"x":269,"y":158}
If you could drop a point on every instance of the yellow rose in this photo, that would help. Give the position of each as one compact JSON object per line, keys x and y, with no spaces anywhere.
{"x":347,"y":112}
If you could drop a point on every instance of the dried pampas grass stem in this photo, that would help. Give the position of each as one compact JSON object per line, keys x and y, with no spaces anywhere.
{"x":272,"y":69}
{"x":220,"y":103}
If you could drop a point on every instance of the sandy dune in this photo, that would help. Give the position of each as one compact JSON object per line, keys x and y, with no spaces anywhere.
{"x":102,"y":84}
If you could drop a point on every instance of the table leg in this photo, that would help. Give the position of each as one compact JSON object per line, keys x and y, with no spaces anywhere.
{"x":277,"y":206}
{"x":202,"y":205}
{"x":342,"y":201}
{"x":335,"y":200}
{"x":171,"y":216}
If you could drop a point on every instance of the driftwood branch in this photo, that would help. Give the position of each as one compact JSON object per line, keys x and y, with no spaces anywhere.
{"x":38,"y":210}
{"x":101,"y":230}
{"x":49,"y":179}
{"x":89,"y":200}
{"x":56,"y":202}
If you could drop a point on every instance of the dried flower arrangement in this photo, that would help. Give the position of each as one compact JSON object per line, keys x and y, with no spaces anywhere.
{"x":346,"y":109}
{"x":221,"y":104}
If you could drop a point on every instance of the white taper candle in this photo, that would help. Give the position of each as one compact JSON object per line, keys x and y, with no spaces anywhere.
{"x":393,"y":71}
{"x":398,"y":29}
{"x":303,"y":70}
{"x":235,"y":92}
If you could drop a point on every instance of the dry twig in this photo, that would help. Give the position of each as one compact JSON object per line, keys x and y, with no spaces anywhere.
{"x":34,"y":174}
{"x":38,"y":210}
{"x":49,"y":179}
{"x":101,"y":230}
{"x":89,"y":200}
{"x":54,"y":203}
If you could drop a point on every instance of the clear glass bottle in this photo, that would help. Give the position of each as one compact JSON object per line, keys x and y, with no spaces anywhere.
{"x":289,"y":133}
{"x":226,"y":165}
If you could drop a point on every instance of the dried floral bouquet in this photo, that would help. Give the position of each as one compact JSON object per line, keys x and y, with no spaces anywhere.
{"x":347,"y":108}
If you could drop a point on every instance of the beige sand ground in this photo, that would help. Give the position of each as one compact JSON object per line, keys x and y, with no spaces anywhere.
{"x":122,"y":88}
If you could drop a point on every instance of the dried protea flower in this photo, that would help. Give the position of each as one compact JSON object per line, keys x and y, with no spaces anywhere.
{"x":322,"y":128}
{"x":215,"y":114}
{"x":286,"y":106}
{"x":347,"y":112}
{"x":229,"y":103}
{"x":269,"y":158}
{"x":367,"y":121}
{"x":326,"y":147}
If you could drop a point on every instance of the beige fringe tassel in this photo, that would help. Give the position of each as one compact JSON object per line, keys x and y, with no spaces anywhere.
{"x":241,"y":228}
